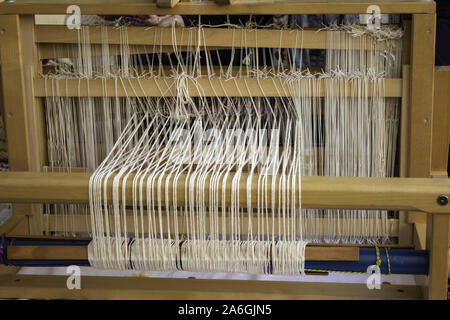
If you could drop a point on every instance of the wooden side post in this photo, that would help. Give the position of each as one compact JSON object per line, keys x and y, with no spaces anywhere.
{"x":437,"y":244}
{"x":24,"y":122}
{"x":14,"y":99}
{"x":423,"y":31}
{"x":405,"y":228}
{"x":441,"y":122}
{"x":35,"y":112}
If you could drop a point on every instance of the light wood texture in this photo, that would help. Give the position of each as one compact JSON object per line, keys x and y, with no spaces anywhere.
{"x":420,"y":233}
{"x":14,"y":222}
{"x":405,"y":229}
{"x":166,"y":3}
{"x":68,"y":50}
{"x":317,"y":192}
{"x":23,"y":227}
{"x":14,"y":98}
{"x":81,"y":253}
{"x":441,"y":120}
{"x":209,"y":87}
{"x":423,"y":30}
{"x":210,"y":37}
{"x":34,"y":112}
{"x":13,"y":35}
{"x":421,"y":100}
{"x":124,"y":7}
{"x":417,"y":217}
{"x":8,"y":270}
{"x":437,"y":243}
{"x":54,"y":287}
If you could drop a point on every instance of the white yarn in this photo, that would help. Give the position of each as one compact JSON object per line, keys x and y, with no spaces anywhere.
{"x":139,"y":143}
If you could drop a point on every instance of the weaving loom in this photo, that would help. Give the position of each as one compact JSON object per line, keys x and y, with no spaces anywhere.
{"x":212,"y":148}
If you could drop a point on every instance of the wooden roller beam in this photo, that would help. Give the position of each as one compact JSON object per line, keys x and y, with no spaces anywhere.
{"x":141,"y":7}
{"x":210,"y":37}
{"x":419,"y":194}
{"x":74,"y":252}
{"x":209,"y":87}
{"x":55,"y":287}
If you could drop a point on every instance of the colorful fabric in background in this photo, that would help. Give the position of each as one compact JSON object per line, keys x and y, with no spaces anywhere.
{"x":152,"y":20}
{"x":138,"y":21}
{"x":4,"y":166}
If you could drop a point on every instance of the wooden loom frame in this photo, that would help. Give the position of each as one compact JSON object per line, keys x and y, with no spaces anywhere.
{"x":22,"y":91}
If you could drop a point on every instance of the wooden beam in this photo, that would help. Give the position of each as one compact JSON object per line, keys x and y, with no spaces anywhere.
{"x":437,"y":244}
{"x":316,"y":192}
{"x":14,"y":98}
{"x":69,"y":50}
{"x":13,"y":223}
{"x":406,"y":231}
{"x":141,"y":7}
{"x":210,"y":37}
{"x":54,"y":287}
{"x":422,"y":91}
{"x":441,"y":120}
{"x":420,"y":233}
{"x":35,"y":113}
{"x":203,"y":86}
{"x":421,"y":94}
{"x":14,"y":35}
{"x":74,"y":252}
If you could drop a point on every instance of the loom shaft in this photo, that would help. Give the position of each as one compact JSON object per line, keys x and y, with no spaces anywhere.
{"x":317,"y":192}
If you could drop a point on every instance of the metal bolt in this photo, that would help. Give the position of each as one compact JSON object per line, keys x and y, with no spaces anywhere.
{"x":2,"y":31}
{"x":428,"y":30}
{"x":442,"y":200}
{"x":10,"y":115}
{"x":425,"y":120}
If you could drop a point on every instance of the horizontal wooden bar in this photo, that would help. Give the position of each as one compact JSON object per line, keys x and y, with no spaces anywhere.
{"x":203,"y":86}
{"x":69,"y":50}
{"x":316,"y":192}
{"x":208,"y":37}
{"x":47,"y":252}
{"x":74,"y":252}
{"x":82,"y":224}
{"x":54,"y":287}
{"x":141,"y":7}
